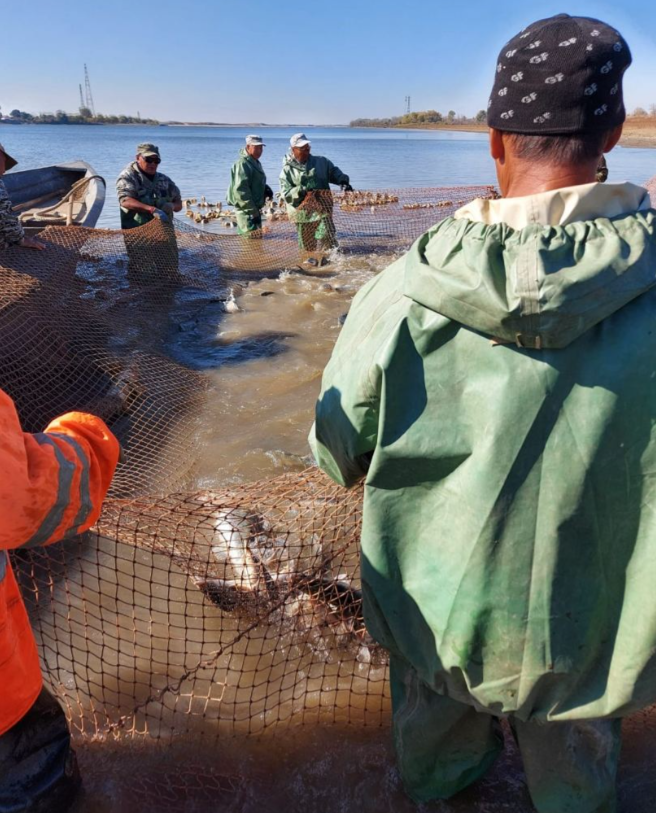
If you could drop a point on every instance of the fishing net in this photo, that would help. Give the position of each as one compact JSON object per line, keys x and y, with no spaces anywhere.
{"x":191,"y":611}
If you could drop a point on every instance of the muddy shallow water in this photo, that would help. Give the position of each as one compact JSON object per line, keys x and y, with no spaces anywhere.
{"x":323,"y":770}
{"x":264,"y":364}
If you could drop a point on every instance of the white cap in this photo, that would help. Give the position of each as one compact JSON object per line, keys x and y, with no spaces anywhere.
{"x":299,"y":140}
{"x":254,"y":141}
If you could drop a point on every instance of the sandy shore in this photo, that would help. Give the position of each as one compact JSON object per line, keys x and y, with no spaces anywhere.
{"x":639,"y":131}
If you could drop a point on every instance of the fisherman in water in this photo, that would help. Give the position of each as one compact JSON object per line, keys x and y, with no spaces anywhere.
{"x":305,"y":186}
{"x":144,"y":193}
{"x":248,"y":187}
{"x":496,"y":389}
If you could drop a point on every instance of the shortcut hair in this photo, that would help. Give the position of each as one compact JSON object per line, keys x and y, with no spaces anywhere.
{"x":559,"y":149}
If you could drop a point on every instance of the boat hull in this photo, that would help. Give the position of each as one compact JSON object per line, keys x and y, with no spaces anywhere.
{"x":45,"y":196}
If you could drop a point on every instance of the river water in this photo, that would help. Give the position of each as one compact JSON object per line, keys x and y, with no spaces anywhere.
{"x":259,"y":413}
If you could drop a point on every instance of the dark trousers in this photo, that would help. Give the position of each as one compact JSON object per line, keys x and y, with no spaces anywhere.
{"x":38,"y":767}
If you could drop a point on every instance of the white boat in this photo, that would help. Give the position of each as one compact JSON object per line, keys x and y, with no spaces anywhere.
{"x":70,"y":194}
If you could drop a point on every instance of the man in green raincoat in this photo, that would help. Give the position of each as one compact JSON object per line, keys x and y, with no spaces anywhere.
{"x":496,"y":388}
{"x":248,"y":187}
{"x":305,"y":186}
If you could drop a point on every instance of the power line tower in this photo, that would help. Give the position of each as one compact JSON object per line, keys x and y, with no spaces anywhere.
{"x":87,"y":89}
{"x":407,"y":104}
{"x":81,"y":98}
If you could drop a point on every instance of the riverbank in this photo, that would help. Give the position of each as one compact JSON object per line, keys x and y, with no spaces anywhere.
{"x":639,"y":131}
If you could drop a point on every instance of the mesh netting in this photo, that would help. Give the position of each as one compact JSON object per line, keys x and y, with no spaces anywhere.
{"x":236,"y":610}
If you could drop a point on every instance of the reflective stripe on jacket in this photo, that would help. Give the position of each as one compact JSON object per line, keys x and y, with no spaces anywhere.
{"x":52,"y":486}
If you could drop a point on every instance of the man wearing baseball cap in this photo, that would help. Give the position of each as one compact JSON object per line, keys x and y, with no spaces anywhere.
{"x":11,"y":229}
{"x":143,"y":192}
{"x":248,"y":187}
{"x":496,"y":389}
{"x":305,"y":186}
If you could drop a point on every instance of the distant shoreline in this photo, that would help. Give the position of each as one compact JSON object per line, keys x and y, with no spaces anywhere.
{"x":171,"y":124}
{"x":639,"y":131}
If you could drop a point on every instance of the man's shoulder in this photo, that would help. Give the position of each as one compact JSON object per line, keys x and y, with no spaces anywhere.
{"x":382,"y":299}
{"x":129,"y":171}
{"x":161,"y":177}
{"x":129,"y":177}
{"x":245,"y":162}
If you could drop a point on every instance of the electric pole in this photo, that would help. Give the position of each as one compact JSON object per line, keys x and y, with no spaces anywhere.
{"x":87,"y":88}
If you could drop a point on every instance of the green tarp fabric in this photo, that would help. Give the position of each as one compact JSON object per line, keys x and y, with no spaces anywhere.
{"x":509,"y":534}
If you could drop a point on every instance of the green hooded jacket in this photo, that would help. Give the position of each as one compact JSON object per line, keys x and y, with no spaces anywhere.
{"x":297,"y":179}
{"x":247,"y":183}
{"x":509,"y":529}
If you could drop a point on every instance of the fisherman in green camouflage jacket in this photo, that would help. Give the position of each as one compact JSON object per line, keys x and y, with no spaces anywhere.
{"x":144,"y":193}
{"x":248,"y":187}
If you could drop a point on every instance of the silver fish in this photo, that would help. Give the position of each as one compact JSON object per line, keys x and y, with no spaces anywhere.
{"x":239,"y":574}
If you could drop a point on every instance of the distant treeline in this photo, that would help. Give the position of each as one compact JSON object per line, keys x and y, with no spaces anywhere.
{"x":421,"y":117}
{"x":85,"y":116}
{"x":435,"y":117}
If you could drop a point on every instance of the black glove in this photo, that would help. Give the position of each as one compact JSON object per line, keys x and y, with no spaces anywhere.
{"x":268,"y":192}
{"x":346,"y":187}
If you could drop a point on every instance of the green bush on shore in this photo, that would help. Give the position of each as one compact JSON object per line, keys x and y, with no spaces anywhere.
{"x":420,"y":117}
{"x":85,"y":116}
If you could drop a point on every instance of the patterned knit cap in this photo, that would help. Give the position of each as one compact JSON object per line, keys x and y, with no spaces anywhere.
{"x":560,"y":75}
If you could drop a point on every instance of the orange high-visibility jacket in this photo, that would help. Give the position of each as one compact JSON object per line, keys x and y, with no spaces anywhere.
{"x":52,"y":485}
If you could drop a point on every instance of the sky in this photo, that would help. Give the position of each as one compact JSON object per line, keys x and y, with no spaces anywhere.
{"x":316,"y":62}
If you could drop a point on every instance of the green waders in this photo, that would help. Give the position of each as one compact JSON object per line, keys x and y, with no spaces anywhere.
{"x":247,"y":223}
{"x":317,"y":233}
{"x":443,"y":746}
